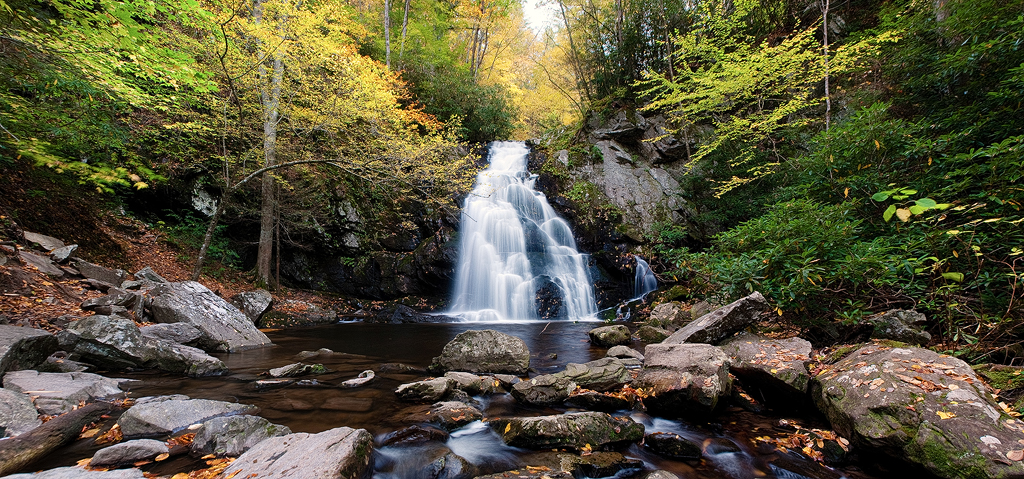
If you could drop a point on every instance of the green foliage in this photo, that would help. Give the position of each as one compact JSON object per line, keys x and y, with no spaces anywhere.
{"x":187,"y":231}
{"x":482,"y":112}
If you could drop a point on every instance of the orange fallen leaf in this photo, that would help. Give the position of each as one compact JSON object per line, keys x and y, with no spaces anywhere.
{"x":1015,"y":455}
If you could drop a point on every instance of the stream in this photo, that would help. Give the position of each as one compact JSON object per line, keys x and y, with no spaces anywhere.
{"x":361,"y":346}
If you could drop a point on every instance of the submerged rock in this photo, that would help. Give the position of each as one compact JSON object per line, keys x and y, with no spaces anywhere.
{"x":572,"y":430}
{"x":58,"y":393}
{"x":917,"y":405}
{"x":485,"y":351}
{"x":772,"y":369}
{"x":607,"y":336}
{"x":335,"y":453}
{"x":684,"y":379}
{"x":672,"y":445}
{"x":452,"y":415}
{"x":722,"y":322}
{"x":233,"y":435}
{"x":129,"y":452}
{"x":224,"y":327}
{"x":24,"y":348}
{"x":172,"y":414}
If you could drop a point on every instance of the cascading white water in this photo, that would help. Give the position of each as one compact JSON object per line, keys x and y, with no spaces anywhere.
{"x":516,"y":255}
{"x":645,"y":281}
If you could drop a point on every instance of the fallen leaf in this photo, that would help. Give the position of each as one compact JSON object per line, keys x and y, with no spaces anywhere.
{"x":162,"y":457}
{"x":945,"y":415}
{"x":1015,"y":455}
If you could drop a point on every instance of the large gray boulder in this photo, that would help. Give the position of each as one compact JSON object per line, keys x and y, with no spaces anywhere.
{"x":336,"y":453}
{"x":473,"y":384}
{"x":44,"y":264}
{"x":233,"y":435}
{"x":128,"y":452}
{"x":117,"y":342}
{"x":722,"y":322}
{"x":58,"y":393}
{"x":546,"y":389}
{"x":254,"y":303}
{"x":604,"y":374}
{"x":900,"y":325}
{"x":670,"y":315}
{"x":224,"y":327}
{"x":79,"y":473}
{"x":772,"y":369}
{"x":452,"y":415}
{"x":168,"y":415}
{"x":485,"y":351}
{"x":608,"y":336}
{"x":923,"y":407}
{"x":180,"y":333}
{"x":684,"y":380}
{"x":17,"y":414}
{"x":24,"y":348}
{"x":572,"y":430}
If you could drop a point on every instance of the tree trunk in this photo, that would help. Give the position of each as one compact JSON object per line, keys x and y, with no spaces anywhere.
{"x":387,"y":33}
{"x":208,"y":238}
{"x":270,"y":98}
{"x":21,"y":451}
{"x":824,"y":31}
{"x":405,"y":27}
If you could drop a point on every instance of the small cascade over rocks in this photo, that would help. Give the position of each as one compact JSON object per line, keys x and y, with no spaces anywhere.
{"x":517,"y":258}
{"x":645,"y":281}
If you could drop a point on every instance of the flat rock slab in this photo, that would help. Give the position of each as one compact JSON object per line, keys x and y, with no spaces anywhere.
{"x":336,"y":453}
{"x":44,"y":264}
{"x":486,"y":351}
{"x":102,"y":273}
{"x":604,"y":374}
{"x":58,"y":393}
{"x":595,"y":401}
{"x":430,"y":390}
{"x":24,"y":348}
{"x":772,"y":369}
{"x":129,"y":452}
{"x":452,"y":415}
{"x":545,"y":390}
{"x":684,"y":380}
{"x":624,"y":352}
{"x":722,"y":322}
{"x":224,"y":327}
{"x":234,"y":435}
{"x":49,"y":243}
{"x":17,"y":414}
{"x":79,"y":473}
{"x":572,"y":430}
{"x":180,"y":333}
{"x":173,"y":415}
{"x":926,"y":408}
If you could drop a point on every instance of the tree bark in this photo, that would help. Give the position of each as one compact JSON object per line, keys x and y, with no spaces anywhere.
{"x":270,"y":98}
{"x":405,"y":27}
{"x":21,"y":451}
{"x":387,"y":33}
{"x":824,"y":31}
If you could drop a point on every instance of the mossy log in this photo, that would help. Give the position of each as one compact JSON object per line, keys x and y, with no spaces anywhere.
{"x":21,"y":451}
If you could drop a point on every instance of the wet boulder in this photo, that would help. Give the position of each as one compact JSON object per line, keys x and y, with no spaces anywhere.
{"x":670,"y":315}
{"x":452,"y":415}
{"x":473,"y":384}
{"x":297,"y":369}
{"x":224,"y":327}
{"x":253,"y":303}
{"x":233,"y":435}
{"x":24,"y":348}
{"x":445,"y":464}
{"x":485,"y":351}
{"x":650,"y":334}
{"x":79,"y":473}
{"x":58,"y":393}
{"x":431,"y":390}
{"x":362,"y":379}
{"x":922,"y":407}
{"x":596,"y":464}
{"x":414,"y":435}
{"x":772,"y":369}
{"x":117,"y":342}
{"x":684,"y":380}
{"x":338,"y":452}
{"x":900,"y":325}
{"x":17,"y":414}
{"x":604,"y":374}
{"x":546,"y":389}
{"x":571,"y":430}
{"x":722,"y":322}
{"x":608,"y":336}
{"x":170,"y":414}
{"x":672,"y":445}
{"x":127,"y":453}
{"x":596,"y":401}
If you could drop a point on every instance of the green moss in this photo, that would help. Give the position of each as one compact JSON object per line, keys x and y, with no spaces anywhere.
{"x":969,"y":464}
{"x":840,"y":352}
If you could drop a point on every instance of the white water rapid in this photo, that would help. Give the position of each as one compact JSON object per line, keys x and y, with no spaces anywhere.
{"x":644,"y":281}
{"x":517,"y":258}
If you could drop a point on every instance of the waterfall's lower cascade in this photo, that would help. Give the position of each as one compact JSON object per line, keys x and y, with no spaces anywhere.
{"x":517,"y":258}
{"x":644,"y":281}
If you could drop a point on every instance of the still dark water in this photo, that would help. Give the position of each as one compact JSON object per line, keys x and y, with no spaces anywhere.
{"x":360,"y":346}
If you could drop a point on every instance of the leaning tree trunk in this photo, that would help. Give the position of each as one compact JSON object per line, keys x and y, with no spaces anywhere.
{"x":21,"y":451}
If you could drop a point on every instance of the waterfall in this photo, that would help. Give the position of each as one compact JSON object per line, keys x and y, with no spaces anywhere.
{"x":645,"y":281}
{"x":517,"y":258}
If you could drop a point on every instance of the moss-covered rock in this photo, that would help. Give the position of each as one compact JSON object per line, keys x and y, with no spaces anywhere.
{"x":573,"y":430}
{"x":917,"y":405}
